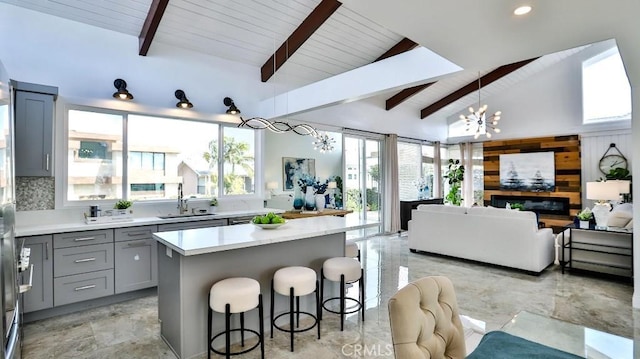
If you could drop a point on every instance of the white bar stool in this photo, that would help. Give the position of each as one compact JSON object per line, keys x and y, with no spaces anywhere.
{"x":295,"y":282}
{"x":230,"y":296}
{"x":351,"y":250}
{"x":344,"y":270}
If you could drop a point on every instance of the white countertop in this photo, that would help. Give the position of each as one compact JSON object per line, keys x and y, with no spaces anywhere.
{"x":34,"y":230}
{"x":215,"y":239}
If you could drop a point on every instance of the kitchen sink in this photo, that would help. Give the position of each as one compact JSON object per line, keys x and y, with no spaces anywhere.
{"x":185,"y":215}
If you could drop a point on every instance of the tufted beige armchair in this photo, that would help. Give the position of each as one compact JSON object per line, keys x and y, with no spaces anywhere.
{"x":425,"y":322}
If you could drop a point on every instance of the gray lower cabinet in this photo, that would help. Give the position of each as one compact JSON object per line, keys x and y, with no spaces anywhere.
{"x":83,"y":266}
{"x":136,"y":262}
{"x":41,"y":294}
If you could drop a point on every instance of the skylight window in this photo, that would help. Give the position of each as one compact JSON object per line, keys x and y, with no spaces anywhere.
{"x":606,"y":94}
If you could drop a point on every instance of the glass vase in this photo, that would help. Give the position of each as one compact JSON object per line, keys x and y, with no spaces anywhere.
{"x":298,"y":199}
{"x":309,"y":199}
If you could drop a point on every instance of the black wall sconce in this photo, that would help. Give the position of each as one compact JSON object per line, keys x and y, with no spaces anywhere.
{"x":122,"y":93}
{"x":184,"y":102}
{"x":233,"y":110}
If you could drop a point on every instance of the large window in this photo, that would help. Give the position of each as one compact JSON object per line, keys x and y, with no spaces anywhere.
{"x":415,"y":169}
{"x":606,"y":94}
{"x":158,"y":154}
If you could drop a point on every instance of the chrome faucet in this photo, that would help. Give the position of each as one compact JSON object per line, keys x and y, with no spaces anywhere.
{"x":183,"y":207}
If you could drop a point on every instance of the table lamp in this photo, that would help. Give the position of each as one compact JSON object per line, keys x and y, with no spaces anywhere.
{"x":272,"y":186}
{"x":602,"y":192}
{"x":332,"y":185}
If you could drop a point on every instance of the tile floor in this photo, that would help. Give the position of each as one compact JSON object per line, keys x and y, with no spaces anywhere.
{"x":494,"y":295}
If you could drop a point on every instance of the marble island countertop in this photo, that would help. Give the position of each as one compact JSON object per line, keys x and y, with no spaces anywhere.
{"x":215,"y":239}
{"x":65,"y":226}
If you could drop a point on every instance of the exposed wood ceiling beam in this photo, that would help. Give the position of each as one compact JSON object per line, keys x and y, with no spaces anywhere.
{"x":156,"y":10}
{"x":473,"y":86}
{"x":403,"y":95}
{"x":402,"y":46}
{"x":301,"y":34}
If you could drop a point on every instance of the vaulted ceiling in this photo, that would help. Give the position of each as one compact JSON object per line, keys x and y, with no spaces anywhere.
{"x":316,"y":39}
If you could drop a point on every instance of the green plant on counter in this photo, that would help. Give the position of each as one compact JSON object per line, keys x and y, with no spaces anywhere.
{"x":213,"y":202}
{"x":123,"y":204}
{"x":585,"y":214}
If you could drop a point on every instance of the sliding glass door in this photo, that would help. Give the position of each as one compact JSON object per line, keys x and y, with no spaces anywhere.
{"x":363,"y":182}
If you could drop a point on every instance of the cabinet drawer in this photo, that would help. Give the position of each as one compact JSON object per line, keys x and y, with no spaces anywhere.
{"x":191,"y":225}
{"x":76,"y":260}
{"x":74,"y":239}
{"x":80,"y":287}
{"x":134,"y":233}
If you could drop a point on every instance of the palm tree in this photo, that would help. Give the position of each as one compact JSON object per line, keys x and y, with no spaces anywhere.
{"x":234,"y":153}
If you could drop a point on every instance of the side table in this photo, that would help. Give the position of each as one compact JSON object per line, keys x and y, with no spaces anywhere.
{"x":607,"y":251}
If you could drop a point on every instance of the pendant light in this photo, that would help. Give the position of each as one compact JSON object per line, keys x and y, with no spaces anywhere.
{"x":478,"y":119}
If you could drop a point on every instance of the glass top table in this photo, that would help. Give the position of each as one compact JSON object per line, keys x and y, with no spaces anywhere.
{"x":572,"y":338}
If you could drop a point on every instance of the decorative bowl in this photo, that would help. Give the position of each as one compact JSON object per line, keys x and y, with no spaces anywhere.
{"x":269,"y":226}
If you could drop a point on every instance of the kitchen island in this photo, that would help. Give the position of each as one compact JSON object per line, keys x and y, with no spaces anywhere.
{"x":191,"y":261}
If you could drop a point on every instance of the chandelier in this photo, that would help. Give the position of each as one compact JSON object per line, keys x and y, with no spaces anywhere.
{"x":323,"y":143}
{"x":478,"y":119}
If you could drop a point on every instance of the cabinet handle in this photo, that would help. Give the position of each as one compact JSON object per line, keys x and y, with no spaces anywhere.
{"x":137,"y":244}
{"x":134,"y":234}
{"x":46,"y":251}
{"x":27,"y":287}
{"x":85,"y":260}
{"x":84,"y":239}
{"x":47,"y":162}
{"x":77,"y":289}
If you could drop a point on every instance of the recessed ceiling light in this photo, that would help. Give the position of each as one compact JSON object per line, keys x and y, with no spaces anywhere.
{"x":522,"y":10}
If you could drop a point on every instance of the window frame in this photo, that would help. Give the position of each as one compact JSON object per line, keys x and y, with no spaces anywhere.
{"x":64,"y":147}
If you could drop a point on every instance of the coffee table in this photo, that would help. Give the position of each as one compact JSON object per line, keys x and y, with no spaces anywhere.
{"x":572,"y":338}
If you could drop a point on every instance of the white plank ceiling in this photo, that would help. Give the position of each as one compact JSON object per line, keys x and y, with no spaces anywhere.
{"x":249,"y":31}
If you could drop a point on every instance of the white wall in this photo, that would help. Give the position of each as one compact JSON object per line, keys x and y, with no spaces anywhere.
{"x":278,"y":145}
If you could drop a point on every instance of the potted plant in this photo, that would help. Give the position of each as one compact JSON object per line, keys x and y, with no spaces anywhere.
{"x":518,"y":206}
{"x":455,"y":175}
{"x":213,"y":205}
{"x":122,"y":206}
{"x":585,"y":216}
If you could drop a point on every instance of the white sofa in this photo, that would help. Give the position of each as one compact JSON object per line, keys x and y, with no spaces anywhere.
{"x":498,"y":236}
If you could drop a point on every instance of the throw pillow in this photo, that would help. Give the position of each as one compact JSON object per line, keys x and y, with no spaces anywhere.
{"x":619,"y":219}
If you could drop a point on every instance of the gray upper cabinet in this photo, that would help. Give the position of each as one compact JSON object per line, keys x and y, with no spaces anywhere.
{"x":34,"y":117}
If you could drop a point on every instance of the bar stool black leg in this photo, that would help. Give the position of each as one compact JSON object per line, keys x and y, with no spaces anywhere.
{"x":209,"y":320}
{"x":321,"y":291}
{"x":261,"y":314}
{"x":291,"y":312}
{"x":362,"y":291}
{"x":242,"y":329}
{"x":227,"y":327}
{"x":272,"y":296}
{"x":342,"y":295}
{"x":298,"y":312}
{"x":318,"y":307}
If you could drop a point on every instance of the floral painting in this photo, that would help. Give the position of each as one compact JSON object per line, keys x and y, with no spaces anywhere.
{"x":295,"y":169}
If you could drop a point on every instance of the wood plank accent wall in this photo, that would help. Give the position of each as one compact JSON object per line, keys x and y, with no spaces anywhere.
{"x":567,"y":165}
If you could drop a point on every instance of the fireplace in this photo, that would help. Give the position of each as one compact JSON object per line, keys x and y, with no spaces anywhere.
{"x":540,"y":205}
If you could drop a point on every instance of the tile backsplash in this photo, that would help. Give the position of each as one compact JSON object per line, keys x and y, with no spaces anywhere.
{"x":35,"y":193}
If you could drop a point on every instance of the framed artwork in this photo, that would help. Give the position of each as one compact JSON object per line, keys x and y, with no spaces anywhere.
{"x":529,"y":172}
{"x":295,"y":168}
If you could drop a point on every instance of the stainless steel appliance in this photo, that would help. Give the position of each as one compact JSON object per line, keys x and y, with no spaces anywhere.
{"x":9,"y":250}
